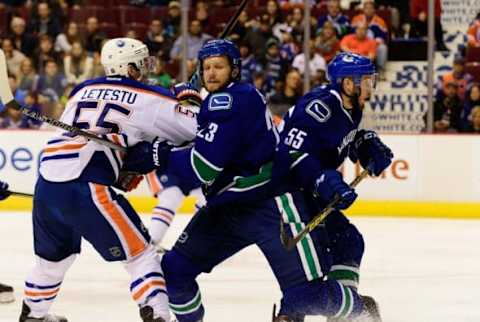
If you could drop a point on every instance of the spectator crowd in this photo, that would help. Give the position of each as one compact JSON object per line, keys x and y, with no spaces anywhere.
{"x":51,"y":46}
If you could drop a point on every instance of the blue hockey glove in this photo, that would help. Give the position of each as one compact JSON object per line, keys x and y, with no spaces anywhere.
{"x":160,"y":153}
{"x":372,"y":153}
{"x":139,"y":158}
{"x":4,"y":193}
{"x":187,"y":94}
{"x":330,"y":184}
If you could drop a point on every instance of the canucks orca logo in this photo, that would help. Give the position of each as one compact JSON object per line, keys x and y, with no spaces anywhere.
{"x":120,"y":43}
{"x":220,"y":101}
{"x":318,"y":110}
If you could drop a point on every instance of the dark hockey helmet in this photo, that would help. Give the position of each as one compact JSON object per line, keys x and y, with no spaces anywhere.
{"x":221,"y":47}
{"x":349,"y":65}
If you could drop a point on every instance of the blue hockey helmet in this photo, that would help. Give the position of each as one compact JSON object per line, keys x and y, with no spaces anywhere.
{"x":349,"y":65}
{"x":221,"y":47}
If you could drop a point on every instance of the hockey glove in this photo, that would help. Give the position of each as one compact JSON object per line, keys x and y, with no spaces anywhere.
{"x":4,"y":193}
{"x":128,"y":181}
{"x":372,"y":153}
{"x":139,"y":158}
{"x":160,"y":152}
{"x":330,"y":184}
{"x":187,"y":94}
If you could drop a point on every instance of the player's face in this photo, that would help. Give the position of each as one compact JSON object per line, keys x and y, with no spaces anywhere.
{"x":216,"y":72}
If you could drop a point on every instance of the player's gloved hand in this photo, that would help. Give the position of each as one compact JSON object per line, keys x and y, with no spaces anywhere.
{"x":4,"y":193}
{"x":330,"y":184}
{"x":160,"y":152}
{"x":372,"y":153}
{"x":187,"y":94}
{"x":128,"y":180}
{"x":139,"y":158}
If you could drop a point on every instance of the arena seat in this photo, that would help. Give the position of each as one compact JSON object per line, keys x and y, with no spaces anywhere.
{"x":473,"y":68}
{"x":473,"y":54}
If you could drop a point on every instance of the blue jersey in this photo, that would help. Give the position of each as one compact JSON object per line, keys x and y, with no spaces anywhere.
{"x":317,"y":133}
{"x":235,"y":138}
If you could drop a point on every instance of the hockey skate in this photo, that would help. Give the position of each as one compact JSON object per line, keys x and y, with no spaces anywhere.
{"x":47,"y":318}
{"x":6,"y":294}
{"x":146,"y":313}
{"x":280,"y":318}
{"x":370,"y":312}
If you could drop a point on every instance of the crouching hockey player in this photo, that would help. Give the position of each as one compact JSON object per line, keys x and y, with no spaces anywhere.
{"x":235,"y":141}
{"x":73,"y":194}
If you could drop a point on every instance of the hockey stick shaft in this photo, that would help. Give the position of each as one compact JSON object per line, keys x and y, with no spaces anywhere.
{"x":195,"y":79}
{"x":8,"y":100}
{"x":20,"y":194}
{"x":290,"y":242}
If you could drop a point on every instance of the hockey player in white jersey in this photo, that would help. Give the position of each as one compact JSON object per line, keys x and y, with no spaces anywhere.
{"x":73,"y":194}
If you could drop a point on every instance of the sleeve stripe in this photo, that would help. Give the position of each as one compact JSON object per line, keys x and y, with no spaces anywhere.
{"x":205,"y":171}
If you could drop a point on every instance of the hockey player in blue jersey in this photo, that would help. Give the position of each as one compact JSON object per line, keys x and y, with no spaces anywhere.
{"x":235,"y":142}
{"x":318,"y":133}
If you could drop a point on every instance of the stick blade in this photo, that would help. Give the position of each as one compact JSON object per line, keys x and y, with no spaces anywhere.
{"x":5,"y":91}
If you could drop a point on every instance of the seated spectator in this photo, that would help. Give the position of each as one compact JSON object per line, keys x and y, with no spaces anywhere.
{"x":14,"y":119}
{"x":18,"y":94}
{"x":27,"y":76}
{"x":258,"y":33}
{"x":317,"y":62}
{"x":249,"y":64}
{"x":377,"y":30}
{"x":195,"y":40}
{"x":94,"y":37}
{"x":288,"y":48}
{"x":131,"y":33}
{"x":64,"y":41}
{"x":419,"y":14}
{"x":43,"y":22}
{"x":52,"y":80}
{"x":274,"y":66}
{"x":289,"y":4}
{"x":326,"y":42}
{"x":78,"y":66}
{"x":446,"y":111}
{"x":201,"y":14}
{"x":474,"y":125}
{"x":157,"y":41}
{"x":340,"y":22}
{"x":473,"y":33}
{"x":45,"y":52}
{"x":23,"y":41}
{"x":97,"y":70}
{"x":13,"y":56}
{"x":297,"y":24}
{"x":259,"y":80}
{"x":472,"y":99}
{"x":282,"y":100}
{"x":160,"y":77}
{"x":172,"y":21}
{"x":241,"y":27}
{"x":273,"y":10}
{"x":458,"y":75}
{"x":359,"y":43}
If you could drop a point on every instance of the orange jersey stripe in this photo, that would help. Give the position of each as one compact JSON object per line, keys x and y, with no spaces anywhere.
{"x":141,"y":291}
{"x":48,"y":293}
{"x":64,"y":147}
{"x":135,"y":245}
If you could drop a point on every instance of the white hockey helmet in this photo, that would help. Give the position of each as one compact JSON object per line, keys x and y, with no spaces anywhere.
{"x":117,"y":53}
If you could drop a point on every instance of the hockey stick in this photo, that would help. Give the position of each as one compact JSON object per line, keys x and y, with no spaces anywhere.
{"x":195,"y":79}
{"x":20,"y":194}
{"x":290,"y":242}
{"x":8,"y":100}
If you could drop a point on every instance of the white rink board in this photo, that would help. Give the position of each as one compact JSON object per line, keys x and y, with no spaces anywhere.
{"x":431,"y":275}
{"x":425,"y":168}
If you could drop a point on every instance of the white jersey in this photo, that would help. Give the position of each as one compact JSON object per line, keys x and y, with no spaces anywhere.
{"x":106,"y":106}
